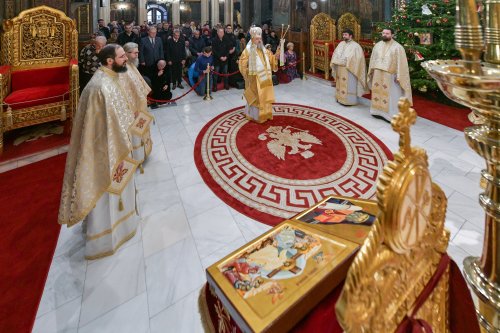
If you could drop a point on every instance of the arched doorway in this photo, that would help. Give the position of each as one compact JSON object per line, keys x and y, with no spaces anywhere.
{"x":156,"y":13}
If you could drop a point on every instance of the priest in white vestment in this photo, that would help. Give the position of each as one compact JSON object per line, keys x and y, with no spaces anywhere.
{"x":349,"y":70}
{"x":137,"y":90}
{"x":98,"y":182}
{"x":388,"y":76}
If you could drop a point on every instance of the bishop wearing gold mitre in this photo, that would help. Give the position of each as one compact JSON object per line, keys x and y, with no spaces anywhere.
{"x":256,"y":65}
{"x":137,"y":90}
{"x":98,"y":184}
{"x":388,"y":76}
{"x":349,"y":69}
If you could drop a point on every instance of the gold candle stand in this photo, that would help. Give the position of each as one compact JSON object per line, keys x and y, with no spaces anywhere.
{"x":477,"y":85}
{"x":207,"y":96}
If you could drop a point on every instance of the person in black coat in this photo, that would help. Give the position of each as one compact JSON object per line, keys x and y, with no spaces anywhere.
{"x":176,"y":58}
{"x":103,"y":28}
{"x":196,"y":45}
{"x":128,"y":36}
{"x":161,"y":84}
{"x":220,"y":48}
{"x":150,"y":51}
{"x":165,"y":33}
{"x":273,"y":40}
{"x":232,"y":41}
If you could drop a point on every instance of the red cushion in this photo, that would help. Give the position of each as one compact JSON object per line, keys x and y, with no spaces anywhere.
{"x":39,"y":77}
{"x":33,"y":96}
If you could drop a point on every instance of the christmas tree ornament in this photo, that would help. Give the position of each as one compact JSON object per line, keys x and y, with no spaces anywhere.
{"x":426,"y":10}
{"x":418,"y":56}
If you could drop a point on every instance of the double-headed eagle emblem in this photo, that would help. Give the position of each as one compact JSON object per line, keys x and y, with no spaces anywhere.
{"x":299,"y":141}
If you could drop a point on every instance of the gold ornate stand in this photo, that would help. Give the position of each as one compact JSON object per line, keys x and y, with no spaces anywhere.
{"x":477,"y":86}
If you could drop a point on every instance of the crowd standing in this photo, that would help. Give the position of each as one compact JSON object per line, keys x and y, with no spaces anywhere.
{"x":168,"y":53}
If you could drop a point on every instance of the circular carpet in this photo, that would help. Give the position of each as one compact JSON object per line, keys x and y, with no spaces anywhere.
{"x":275,"y":170}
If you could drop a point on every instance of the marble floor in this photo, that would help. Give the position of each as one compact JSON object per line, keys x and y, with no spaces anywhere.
{"x":152,"y":283}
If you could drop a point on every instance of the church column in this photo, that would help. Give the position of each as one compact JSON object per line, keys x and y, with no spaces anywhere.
{"x":257,"y":7}
{"x":228,"y":12}
{"x":143,"y":13}
{"x":214,"y":7}
{"x":176,"y":12}
{"x":387,"y":10}
{"x":105,"y":11}
{"x":205,"y":14}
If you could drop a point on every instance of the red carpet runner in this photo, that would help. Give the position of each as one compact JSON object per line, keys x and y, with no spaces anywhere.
{"x":29,"y":202}
{"x":274,"y":170}
{"x":447,"y":115}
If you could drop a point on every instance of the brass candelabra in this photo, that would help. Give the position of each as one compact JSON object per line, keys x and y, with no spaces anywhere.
{"x":476,"y":84}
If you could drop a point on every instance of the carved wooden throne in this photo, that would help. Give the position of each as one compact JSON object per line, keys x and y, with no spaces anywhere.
{"x":322,"y":35}
{"x":39,"y":72}
{"x":348,"y":21}
{"x":390,"y":282}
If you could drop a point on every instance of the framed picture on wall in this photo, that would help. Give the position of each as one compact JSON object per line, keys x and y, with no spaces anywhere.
{"x":426,"y":38}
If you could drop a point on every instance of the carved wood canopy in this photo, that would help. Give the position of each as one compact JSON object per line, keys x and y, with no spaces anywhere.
{"x":348,"y":21}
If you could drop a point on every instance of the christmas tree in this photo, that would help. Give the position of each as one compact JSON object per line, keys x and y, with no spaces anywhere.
{"x":426,"y":30}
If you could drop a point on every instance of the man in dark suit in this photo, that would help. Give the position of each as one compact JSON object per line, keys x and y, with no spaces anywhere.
{"x":176,"y":58}
{"x":151,"y":50}
{"x":232,"y":41}
{"x":196,"y":45}
{"x":103,"y":28}
{"x":128,"y":36}
{"x":165,"y":33}
{"x":221,"y":48}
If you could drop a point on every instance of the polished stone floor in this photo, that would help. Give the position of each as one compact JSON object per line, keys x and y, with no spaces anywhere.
{"x":152,"y":283}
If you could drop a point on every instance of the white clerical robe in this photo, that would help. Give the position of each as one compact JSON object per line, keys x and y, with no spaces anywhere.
{"x":98,"y":181}
{"x":389,"y":78}
{"x":349,"y":69}
{"x":137,"y":90}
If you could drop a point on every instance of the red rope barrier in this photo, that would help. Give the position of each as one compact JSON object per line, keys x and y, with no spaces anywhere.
{"x":177,"y":98}
{"x":289,"y":66}
{"x":222,"y":74}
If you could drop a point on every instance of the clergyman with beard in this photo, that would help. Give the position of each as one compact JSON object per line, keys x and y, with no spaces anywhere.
{"x":256,"y":65}
{"x":98,"y":186}
{"x":137,"y":90}
{"x":349,"y":69}
{"x":388,"y":76}
{"x":132,"y":50}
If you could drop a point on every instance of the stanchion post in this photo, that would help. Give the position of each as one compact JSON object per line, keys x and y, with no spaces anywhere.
{"x":304,"y":66}
{"x":207,"y":96}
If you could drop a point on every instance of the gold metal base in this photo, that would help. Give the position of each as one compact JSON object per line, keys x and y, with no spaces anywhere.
{"x":480,"y":93}
{"x":207,"y":98}
{"x":487,"y":292}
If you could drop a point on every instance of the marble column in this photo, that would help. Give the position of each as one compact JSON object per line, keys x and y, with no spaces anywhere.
{"x":105,"y":11}
{"x":214,"y":8}
{"x":205,"y":13}
{"x":228,"y":11}
{"x":143,"y":13}
{"x":257,"y":8}
{"x":176,"y":13}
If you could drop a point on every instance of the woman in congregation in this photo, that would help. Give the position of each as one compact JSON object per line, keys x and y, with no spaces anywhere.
{"x":291,"y":62}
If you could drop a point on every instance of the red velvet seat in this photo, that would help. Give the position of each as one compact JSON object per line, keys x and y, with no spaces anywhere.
{"x":28,"y":97}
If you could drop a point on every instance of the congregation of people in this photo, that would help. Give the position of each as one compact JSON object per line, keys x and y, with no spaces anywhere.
{"x":166,"y":54}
